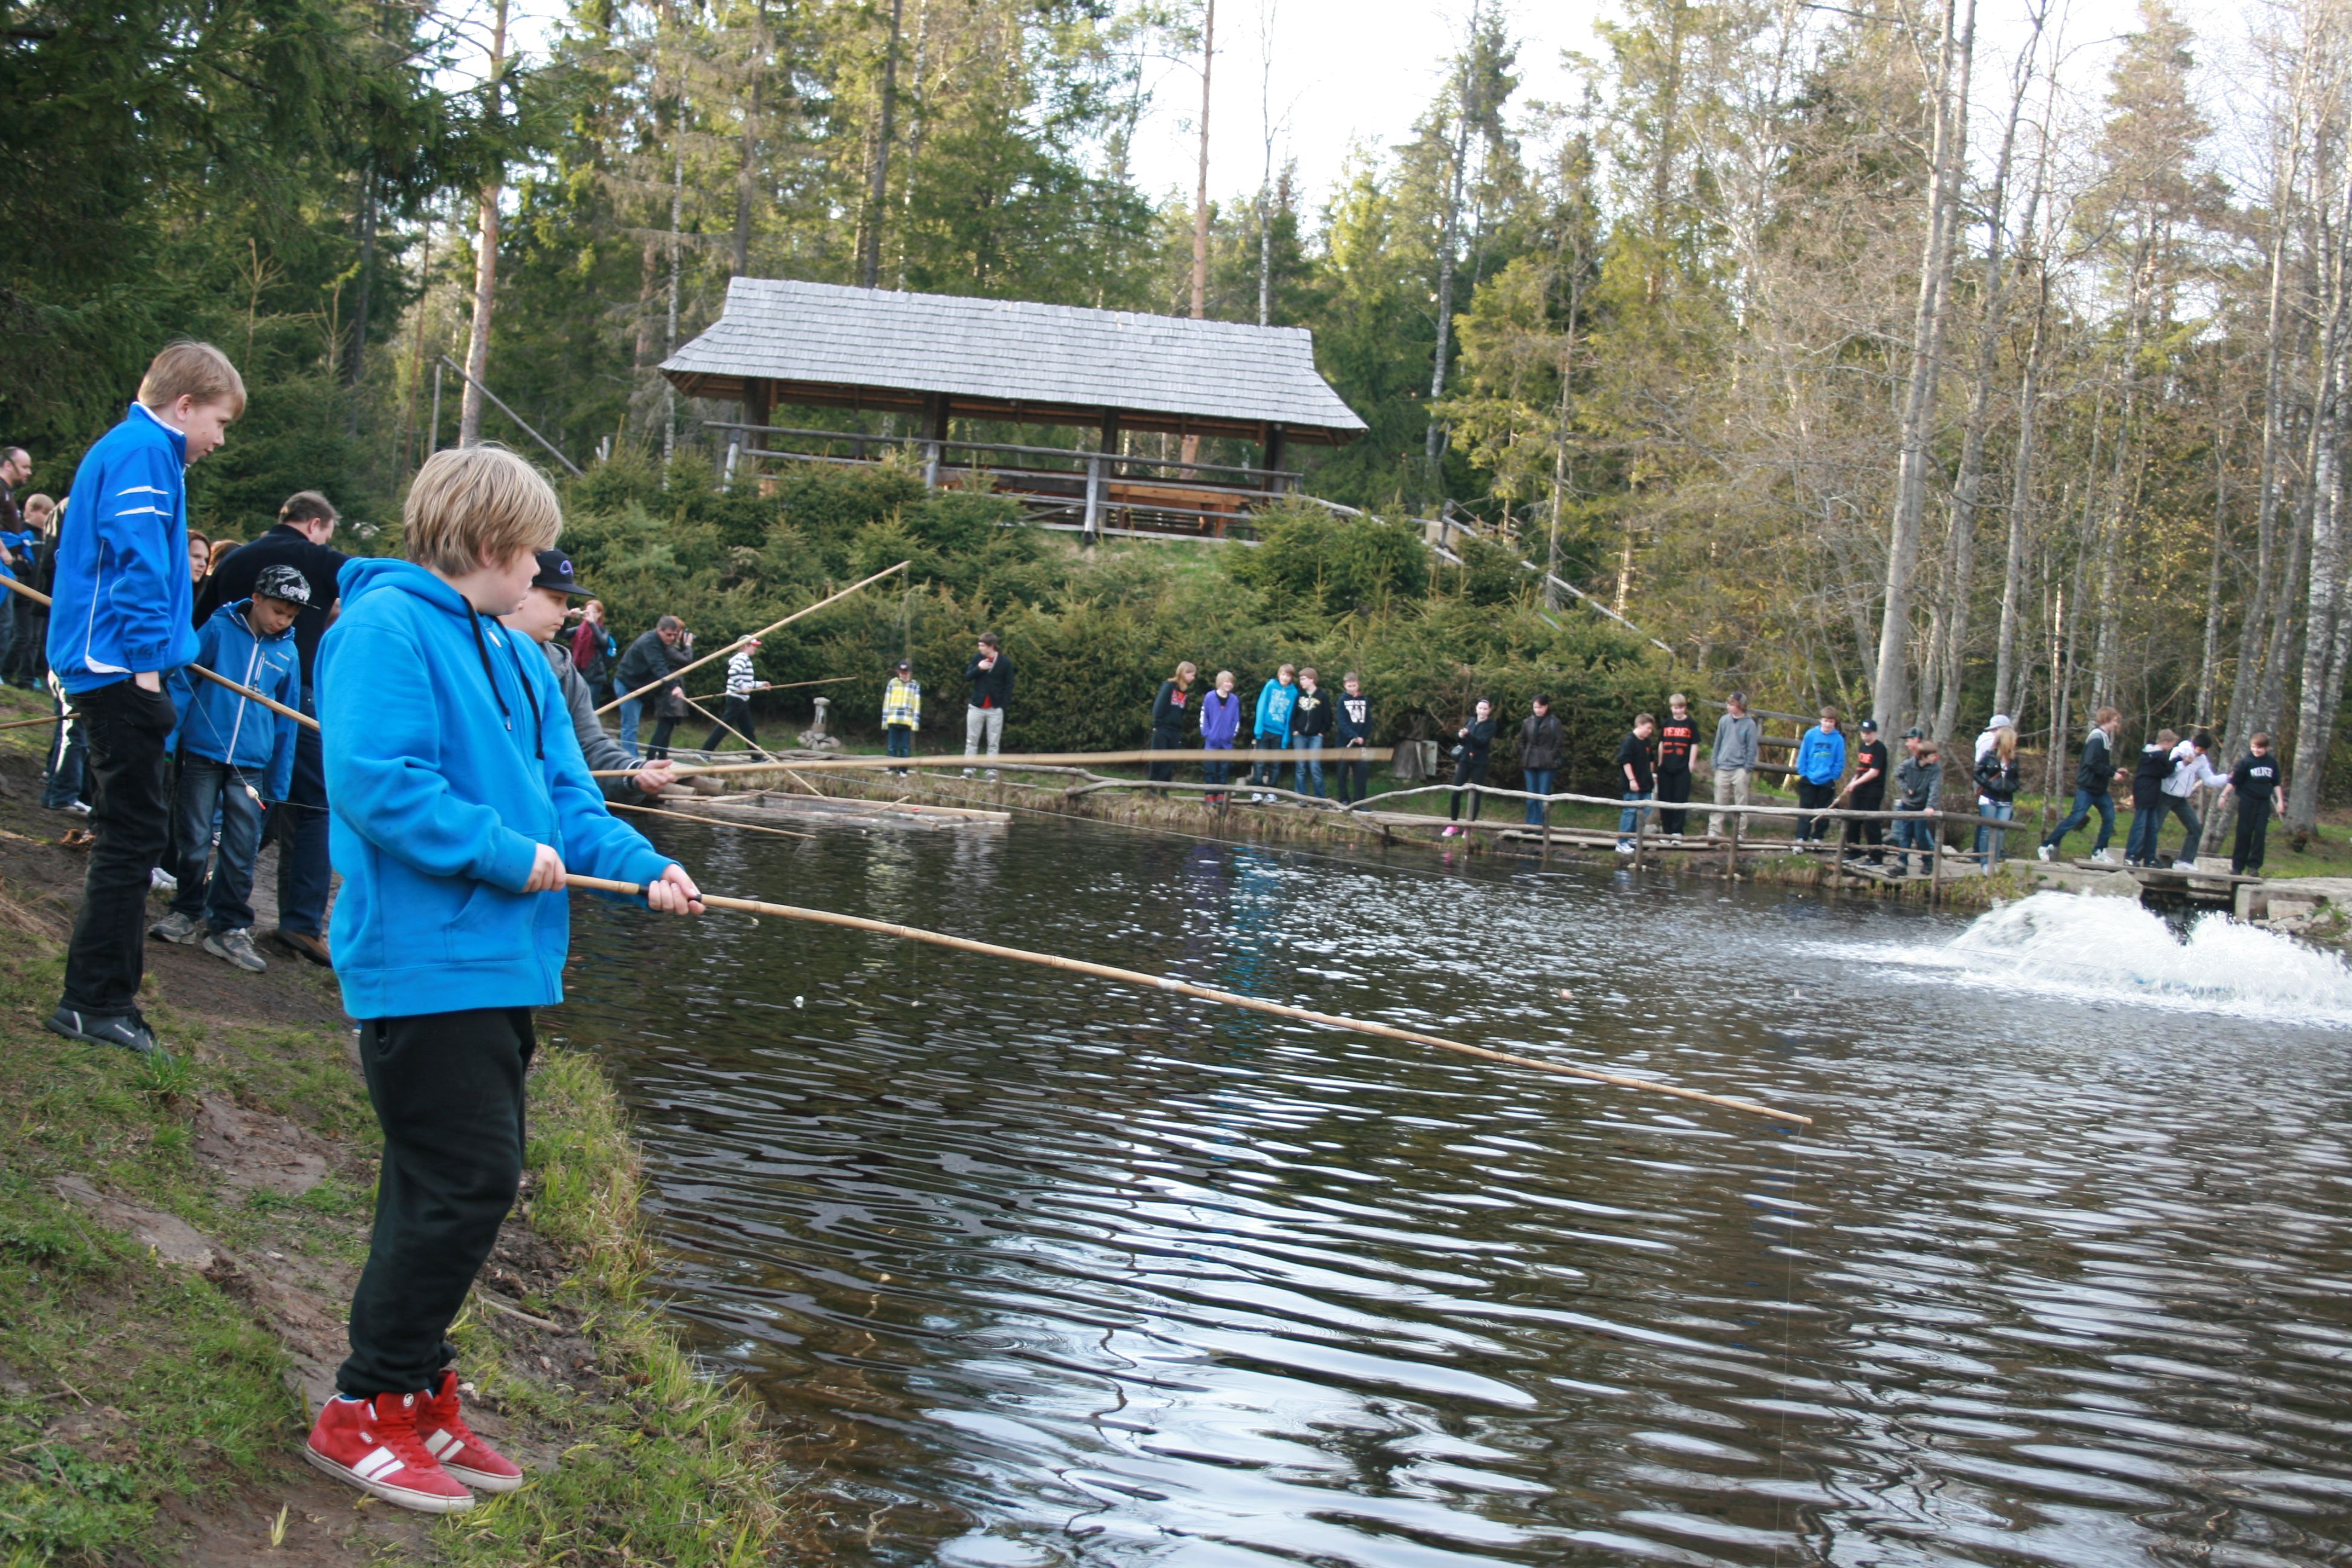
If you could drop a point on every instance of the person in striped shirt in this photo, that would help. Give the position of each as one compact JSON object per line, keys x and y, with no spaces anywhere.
{"x":736,"y":717}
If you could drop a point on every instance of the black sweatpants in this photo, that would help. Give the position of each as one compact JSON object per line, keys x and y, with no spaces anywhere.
{"x":124,"y":728}
{"x":448,"y":1088}
{"x":1813,"y":797}
{"x":1164,"y":773}
{"x":1468,"y":771}
{"x":736,"y":716}
{"x":2247,"y":849}
{"x":1869,"y":835}
{"x":1674,"y":789}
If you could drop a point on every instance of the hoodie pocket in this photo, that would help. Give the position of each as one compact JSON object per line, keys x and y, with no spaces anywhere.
{"x":488,"y":925}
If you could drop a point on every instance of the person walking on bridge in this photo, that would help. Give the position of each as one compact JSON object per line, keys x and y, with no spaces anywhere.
{"x":736,"y":717}
{"x":2097,"y":772}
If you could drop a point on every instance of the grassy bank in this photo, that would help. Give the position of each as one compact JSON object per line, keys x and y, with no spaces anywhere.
{"x":177,"y":1245}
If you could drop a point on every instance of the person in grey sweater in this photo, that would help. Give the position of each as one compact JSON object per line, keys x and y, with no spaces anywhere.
{"x":1919,"y":782}
{"x":540,"y":619}
{"x":1736,"y":735}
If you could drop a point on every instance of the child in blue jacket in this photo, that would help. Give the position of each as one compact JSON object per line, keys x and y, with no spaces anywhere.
{"x":235,"y":756}
{"x":1274,"y":700}
{"x":459,"y":799}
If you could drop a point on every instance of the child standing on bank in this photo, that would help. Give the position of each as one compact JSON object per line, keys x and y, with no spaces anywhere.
{"x":235,"y":756}
{"x":1351,"y":729}
{"x":459,"y":798}
{"x":1221,"y":719}
{"x":902,"y":713}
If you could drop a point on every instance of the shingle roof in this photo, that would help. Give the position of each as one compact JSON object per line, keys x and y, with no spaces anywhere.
{"x":1013,"y":350}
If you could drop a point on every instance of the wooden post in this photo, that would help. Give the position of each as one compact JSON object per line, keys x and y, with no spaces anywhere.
{"x":1273,"y":453}
{"x":1934,"y":857}
{"x":1094,"y":500}
{"x":1731,"y":861}
{"x":1641,"y":830}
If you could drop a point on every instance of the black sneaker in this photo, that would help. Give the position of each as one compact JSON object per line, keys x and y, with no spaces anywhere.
{"x":128,"y":1030}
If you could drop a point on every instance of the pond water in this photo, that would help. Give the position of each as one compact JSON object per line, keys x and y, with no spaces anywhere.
{"x":1036,"y":1270}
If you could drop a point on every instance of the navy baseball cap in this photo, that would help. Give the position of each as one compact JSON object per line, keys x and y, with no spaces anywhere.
{"x":555,"y":574}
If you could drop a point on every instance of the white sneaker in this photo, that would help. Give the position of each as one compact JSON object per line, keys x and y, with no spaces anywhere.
{"x":161,"y":879}
{"x":1624,"y":847}
{"x":2102,"y":857}
{"x":2184,"y":864}
{"x":2047,"y":852}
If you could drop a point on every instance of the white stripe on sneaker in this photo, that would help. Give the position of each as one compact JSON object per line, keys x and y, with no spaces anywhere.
{"x":376,"y":1466}
{"x":440,"y":1443}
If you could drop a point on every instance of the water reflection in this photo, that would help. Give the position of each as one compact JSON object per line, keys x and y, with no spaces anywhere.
{"x":1046,"y":1273}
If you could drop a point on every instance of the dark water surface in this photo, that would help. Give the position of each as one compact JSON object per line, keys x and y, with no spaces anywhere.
{"x":1038,"y":1270}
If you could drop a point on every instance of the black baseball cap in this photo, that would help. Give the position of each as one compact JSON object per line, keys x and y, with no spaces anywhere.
{"x":555,"y":575}
{"x":1871,"y":725}
{"x":1915,"y":733}
{"x":905,"y":664}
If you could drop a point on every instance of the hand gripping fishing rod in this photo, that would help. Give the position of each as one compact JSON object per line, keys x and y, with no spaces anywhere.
{"x":1185,"y":988}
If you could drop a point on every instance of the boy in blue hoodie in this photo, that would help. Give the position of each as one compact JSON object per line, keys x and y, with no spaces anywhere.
{"x":1274,"y":700}
{"x":119,"y":625}
{"x":459,"y":798}
{"x":225,"y":743}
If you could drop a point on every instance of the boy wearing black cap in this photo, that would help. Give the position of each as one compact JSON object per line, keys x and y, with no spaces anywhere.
{"x":539,"y":617}
{"x":226,"y":743}
{"x":902,"y":713}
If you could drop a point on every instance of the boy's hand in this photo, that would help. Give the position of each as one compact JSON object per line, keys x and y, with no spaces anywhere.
{"x":655,"y":777}
{"x":546,"y":871}
{"x":675,"y":894}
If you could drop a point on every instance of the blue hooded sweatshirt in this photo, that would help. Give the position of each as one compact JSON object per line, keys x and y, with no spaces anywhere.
{"x":217,"y":722}
{"x":450,"y":758}
{"x":122,"y":600}
{"x":1274,"y":701}
{"x":1821,"y":756}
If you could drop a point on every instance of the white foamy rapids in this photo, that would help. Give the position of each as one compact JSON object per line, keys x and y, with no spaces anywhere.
{"x":2107,"y":950}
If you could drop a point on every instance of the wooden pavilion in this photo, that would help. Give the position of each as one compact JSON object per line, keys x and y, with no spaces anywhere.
{"x":931,"y":359}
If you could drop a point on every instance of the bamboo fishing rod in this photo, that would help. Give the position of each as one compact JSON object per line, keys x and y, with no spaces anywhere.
{"x":1186,"y":988}
{"x":1027,"y":760}
{"x":753,"y":636}
{"x":750,"y":744}
{"x":246,"y":691}
{"x":780,"y":686}
{"x":712,"y":821}
{"x":44,"y":719}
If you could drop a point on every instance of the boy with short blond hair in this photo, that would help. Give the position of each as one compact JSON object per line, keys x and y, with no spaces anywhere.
{"x":459,"y":798}
{"x":121,"y":620}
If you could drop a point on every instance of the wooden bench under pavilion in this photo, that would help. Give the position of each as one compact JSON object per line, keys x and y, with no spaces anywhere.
{"x":927,"y":360}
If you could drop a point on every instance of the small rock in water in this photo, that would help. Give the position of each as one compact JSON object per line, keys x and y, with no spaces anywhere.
{"x":796,"y":1002}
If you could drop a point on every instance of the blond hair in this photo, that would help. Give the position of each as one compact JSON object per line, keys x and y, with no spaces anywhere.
{"x":477,"y":506}
{"x":191,"y":369}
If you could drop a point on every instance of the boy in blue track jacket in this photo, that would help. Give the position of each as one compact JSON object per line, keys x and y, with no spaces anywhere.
{"x":119,"y":625}
{"x":234,"y":755}
{"x":459,"y":799}
{"x":1274,"y":700}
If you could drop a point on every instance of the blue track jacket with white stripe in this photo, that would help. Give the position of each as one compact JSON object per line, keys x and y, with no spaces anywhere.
{"x":122,"y":599}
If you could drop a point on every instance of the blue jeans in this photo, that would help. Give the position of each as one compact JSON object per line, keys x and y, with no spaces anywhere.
{"x":1539,"y":782}
{"x":1268,"y":775}
{"x":633,"y":713}
{"x":2085,"y":803}
{"x":1910,"y":834}
{"x":66,"y":745}
{"x":2140,"y":845}
{"x":1218,"y":772}
{"x":224,"y":898}
{"x":1989,"y":838}
{"x":1630,"y":818}
{"x":1307,"y":774}
{"x":898,"y":739}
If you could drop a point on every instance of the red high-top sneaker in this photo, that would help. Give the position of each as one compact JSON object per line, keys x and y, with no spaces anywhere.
{"x":447,"y":1438}
{"x":373,"y":1445}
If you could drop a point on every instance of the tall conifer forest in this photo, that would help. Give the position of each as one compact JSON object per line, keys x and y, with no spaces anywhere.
{"x":1864,"y":354}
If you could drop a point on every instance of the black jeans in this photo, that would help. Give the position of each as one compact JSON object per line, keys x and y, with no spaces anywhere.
{"x":2253,"y":826}
{"x":1674,"y":789}
{"x":224,"y":900}
{"x":1163,"y":772}
{"x":298,"y":825}
{"x":1866,"y":834}
{"x":658,"y":747}
{"x":1355,"y":778}
{"x":25,"y":665}
{"x":448,"y":1094}
{"x":1468,"y":771}
{"x":130,"y":812}
{"x":736,"y":717}
{"x":1813,"y":797}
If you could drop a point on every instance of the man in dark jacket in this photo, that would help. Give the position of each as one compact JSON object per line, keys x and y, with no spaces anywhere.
{"x":650,"y":661}
{"x":1540,"y":740}
{"x":305,"y":524}
{"x":2092,"y":778}
{"x":991,"y":675}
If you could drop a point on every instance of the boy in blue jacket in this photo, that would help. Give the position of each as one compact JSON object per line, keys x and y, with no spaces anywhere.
{"x":458,"y":797}
{"x":226,"y":743}
{"x":119,"y":624}
{"x":1274,"y":700}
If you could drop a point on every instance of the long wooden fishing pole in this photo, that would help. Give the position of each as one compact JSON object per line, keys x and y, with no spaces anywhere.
{"x":1019,"y":760}
{"x":749,"y":744}
{"x":246,"y":691}
{"x":1186,"y":988}
{"x":751,"y":637}
{"x":44,"y":719}
{"x":780,"y":686}
{"x":712,"y":821}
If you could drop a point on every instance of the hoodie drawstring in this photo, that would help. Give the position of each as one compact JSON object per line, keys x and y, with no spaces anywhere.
{"x":537,"y":719}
